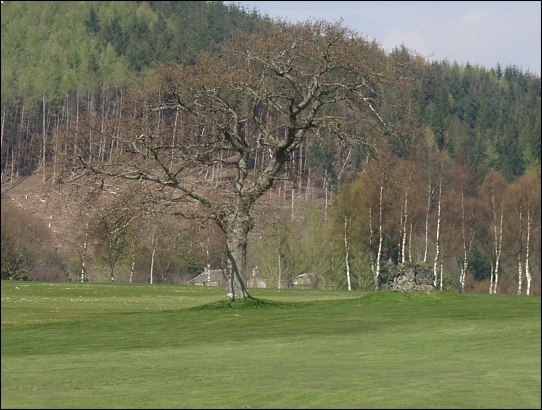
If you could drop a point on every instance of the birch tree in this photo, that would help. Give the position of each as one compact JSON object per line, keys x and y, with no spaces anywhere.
{"x":473,"y":217}
{"x":304,"y":77}
{"x":437,"y":239}
{"x":523,"y":222}
{"x":467,"y":243}
{"x":493,"y":191}
{"x":406,"y":183}
{"x":377,"y":262}
{"x":430,"y":194}
{"x":347,"y":252}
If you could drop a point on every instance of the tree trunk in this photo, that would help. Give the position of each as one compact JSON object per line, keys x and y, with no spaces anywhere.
{"x":236,"y":223}
{"x":132,"y":269}
{"x":520,"y":273}
{"x":405,"y":222}
{"x":497,"y":231}
{"x":498,"y":256}
{"x":83,"y":259}
{"x":280,"y":269}
{"x":133,"y":252}
{"x":491,"y":274}
{"x":437,"y":244}
{"x":152,"y":263}
{"x":466,"y":249}
{"x":236,"y":251}
{"x":347,"y":254}
{"x":527,"y":252}
{"x":429,"y":196}
{"x":112,"y":258}
{"x":379,"y":254}
{"x":371,"y":255}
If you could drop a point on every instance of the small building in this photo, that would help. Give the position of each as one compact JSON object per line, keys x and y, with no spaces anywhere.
{"x":219,"y":278}
{"x":210,"y":277}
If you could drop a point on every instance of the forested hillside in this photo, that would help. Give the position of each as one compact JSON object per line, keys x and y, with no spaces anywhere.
{"x":453,"y":183}
{"x":60,"y":59}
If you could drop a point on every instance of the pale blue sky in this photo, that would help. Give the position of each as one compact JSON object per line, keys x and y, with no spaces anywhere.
{"x":482,"y":33}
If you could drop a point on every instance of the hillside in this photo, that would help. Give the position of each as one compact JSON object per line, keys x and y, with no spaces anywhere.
{"x":80,"y":68}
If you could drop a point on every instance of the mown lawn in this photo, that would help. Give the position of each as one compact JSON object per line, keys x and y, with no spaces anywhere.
{"x":164,"y":346}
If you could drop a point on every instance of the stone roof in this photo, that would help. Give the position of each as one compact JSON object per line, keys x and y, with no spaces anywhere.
{"x":210,"y":276}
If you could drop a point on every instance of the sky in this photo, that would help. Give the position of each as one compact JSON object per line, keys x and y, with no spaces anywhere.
{"x":482,"y":33}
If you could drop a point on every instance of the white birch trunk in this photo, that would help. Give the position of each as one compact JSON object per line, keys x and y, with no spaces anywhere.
{"x":463,"y":275}
{"x":371,"y":254}
{"x":379,"y":254}
{"x":464,"y":266}
{"x":527,"y":254}
{"x":280,"y":269}
{"x":429,"y":195}
{"x":441,"y":273}
{"x":132,"y":269}
{"x":347,"y":257}
{"x":497,"y":261}
{"x":405,"y":224}
{"x":495,"y":247}
{"x":437,"y":245}
{"x":84,"y":258}
{"x":399,"y":245}
{"x":520,"y":273}
{"x":111,"y":258}
{"x":497,"y":231}
{"x":491,"y":275}
{"x":152,"y":263}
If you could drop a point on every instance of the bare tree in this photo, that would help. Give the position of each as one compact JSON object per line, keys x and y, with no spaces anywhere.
{"x":437,"y":240}
{"x":523,"y":206}
{"x":347,"y":252}
{"x":493,"y":190}
{"x":263,"y":95}
{"x":380,"y":237}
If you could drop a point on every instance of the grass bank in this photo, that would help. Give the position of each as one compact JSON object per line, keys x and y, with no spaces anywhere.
{"x":163,"y":346}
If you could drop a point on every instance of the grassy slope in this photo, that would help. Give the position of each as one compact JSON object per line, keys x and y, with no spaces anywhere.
{"x":122,"y":346}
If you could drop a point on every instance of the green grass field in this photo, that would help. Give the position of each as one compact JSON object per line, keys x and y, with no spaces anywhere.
{"x":165,"y":346}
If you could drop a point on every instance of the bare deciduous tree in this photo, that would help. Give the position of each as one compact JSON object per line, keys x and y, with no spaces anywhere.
{"x":262,"y":96}
{"x":493,"y":191}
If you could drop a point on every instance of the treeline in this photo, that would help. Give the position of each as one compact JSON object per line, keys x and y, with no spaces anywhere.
{"x":480,"y":235}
